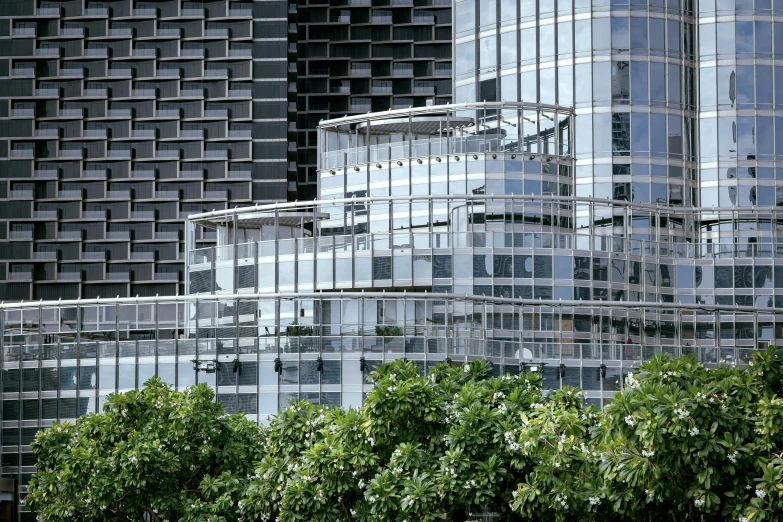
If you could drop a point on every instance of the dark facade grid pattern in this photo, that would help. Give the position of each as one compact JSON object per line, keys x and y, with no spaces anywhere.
{"x":121,"y":121}
{"x":358,"y":56}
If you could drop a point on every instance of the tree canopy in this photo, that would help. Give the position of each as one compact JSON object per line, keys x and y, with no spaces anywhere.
{"x":682,"y":442}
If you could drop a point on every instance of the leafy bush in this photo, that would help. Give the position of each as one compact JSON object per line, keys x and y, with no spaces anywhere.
{"x":681,"y":443}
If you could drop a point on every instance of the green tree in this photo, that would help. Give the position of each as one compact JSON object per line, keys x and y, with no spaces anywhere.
{"x":153,"y":454}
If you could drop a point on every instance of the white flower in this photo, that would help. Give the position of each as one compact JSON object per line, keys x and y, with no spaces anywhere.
{"x":761,"y":493}
{"x":743,"y":519}
{"x":630,"y":421}
{"x":698,"y":502}
{"x":733,"y":456}
{"x":693,"y":431}
{"x":648,"y":454}
{"x":594,"y":501}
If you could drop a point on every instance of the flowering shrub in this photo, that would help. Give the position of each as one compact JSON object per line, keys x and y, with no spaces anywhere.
{"x":153,"y":454}
{"x":681,"y":443}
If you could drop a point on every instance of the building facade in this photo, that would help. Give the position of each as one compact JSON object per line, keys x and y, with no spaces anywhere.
{"x":362,"y":56}
{"x":121,"y":118}
{"x":601,"y":191}
{"x":422,"y":245}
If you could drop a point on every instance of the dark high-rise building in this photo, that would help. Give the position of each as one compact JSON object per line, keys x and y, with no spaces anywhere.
{"x":359,"y":56}
{"x":121,"y":118}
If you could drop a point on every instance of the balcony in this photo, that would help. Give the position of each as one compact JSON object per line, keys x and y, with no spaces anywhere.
{"x":46,"y":174}
{"x":191,"y":93}
{"x":96,"y":133}
{"x":76,"y":32}
{"x":70,"y":194}
{"x":215,"y":194}
{"x":22,"y":153}
{"x":123,"y":235}
{"x":118,"y":276}
{"x":240,"y":133}
{"x":145,"y":13}
{"x":216,"y":73}
{"x":20,"y":276}
{"x":47,"y":133}
{"x":144,"y":93}
{"x":96,"y":52}
{"x":442,"y":71}
{"x":216,"y":33}
{"x":402,"y":3}
{"x":191,"y":133}
{"x":143,"y":174}
{"x":21,"y":194}
{"x":142,"y":256}
{"x":48,"y":11}
{"x":94,"y":214}
{"x":119,"y":113}
{"x":192,"y":53}
{"x":96,"y":93}
{"x":22,"y":32}
{"x":20,"y":234}
{"x":23,"y":72}
{"x":216,"y":113}
{"x":120,"y":73}
{"x":341,"y":89}
{"x":168,"y":73}
{"x":240,"y":12}
{"x":96,"y":11}
{"x":381,"y":89}
{"x":70,"y":153}
{"x":142,"y":214}
{"x":125,"y":32}
{"x":361,"y":107}
{"x":144,"y":53}
{"x":423,"y":19}
{"x":44,"y":214}
{"x":240,"y":53}
{"x":402,"y":72}
{"x":118,"y":154}
{"x":94,"y":173}
{"x":340,"y":19}
{"x":118,"y":194}
{"x":216,"y":154}
{"x":240,"y":93}
{"x":169,"y":33}
{"x":430,"y":91}
{"x":71,"y":113}
{"x":69,"y":276}
{"x":199,"y":13}
{"x":361,"y":71}
{"x":143,"y":134}
{"x":45,"y":255}
{"x":167,"y":113}
{"x":23,"y":113}
{"x":69,"y":234}
{"x":170,"y":236}
{"x":191,"y":174}
{"x":167,"y":154}
{"x":166,"y":194}
{"x":48,"y":52}
{"x":239,"y":174}
{"x":94,"y":256}
{"x":72,"y":73}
